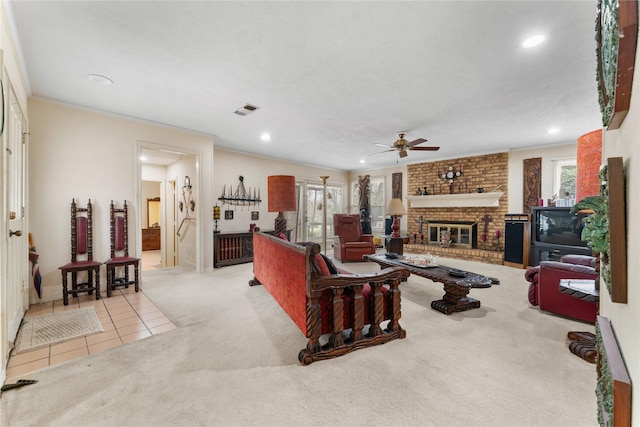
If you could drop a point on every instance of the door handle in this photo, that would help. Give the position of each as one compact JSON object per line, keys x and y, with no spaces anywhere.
{"x":15,"y":233}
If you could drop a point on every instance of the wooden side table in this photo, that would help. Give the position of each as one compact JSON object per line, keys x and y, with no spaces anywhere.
{"x":395,"y":245}
{"x":582,"y":344}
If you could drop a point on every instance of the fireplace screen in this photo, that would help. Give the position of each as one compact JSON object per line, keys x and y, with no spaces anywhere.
{"x":463,"y":234}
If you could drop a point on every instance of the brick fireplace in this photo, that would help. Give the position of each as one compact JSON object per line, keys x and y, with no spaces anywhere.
{"x":463,"y":205}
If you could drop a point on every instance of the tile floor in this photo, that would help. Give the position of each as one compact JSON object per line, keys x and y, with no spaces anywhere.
{"x":126,"y":316}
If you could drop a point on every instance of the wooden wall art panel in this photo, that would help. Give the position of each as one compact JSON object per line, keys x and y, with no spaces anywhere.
{"x":532,"y":183}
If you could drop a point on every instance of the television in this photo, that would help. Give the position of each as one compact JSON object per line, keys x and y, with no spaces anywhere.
{"x":557,"y":226}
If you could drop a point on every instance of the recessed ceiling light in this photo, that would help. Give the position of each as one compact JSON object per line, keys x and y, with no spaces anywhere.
{"x":553,"y":130}
{"x":533,"y":41}
{"x":100,"y":80}
{"x":362,"y":161}
{"x":143,"y":158}
{"x":265,"y":137}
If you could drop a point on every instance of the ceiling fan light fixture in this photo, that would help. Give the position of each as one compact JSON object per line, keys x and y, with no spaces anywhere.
{"x":533,"y":41}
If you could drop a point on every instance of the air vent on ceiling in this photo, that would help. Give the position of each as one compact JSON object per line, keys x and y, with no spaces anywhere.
{"x":247,"y":109}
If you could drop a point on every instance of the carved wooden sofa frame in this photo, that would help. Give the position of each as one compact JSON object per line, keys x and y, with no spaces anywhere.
{"x":319,"y":304}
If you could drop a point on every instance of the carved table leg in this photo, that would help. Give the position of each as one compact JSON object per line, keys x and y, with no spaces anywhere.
{"x":455,"y":299}
{"x":583,"y":345}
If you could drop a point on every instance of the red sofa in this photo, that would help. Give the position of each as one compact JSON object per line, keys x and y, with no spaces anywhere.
{"x":544,"y":289}
{"x":319,"y":302}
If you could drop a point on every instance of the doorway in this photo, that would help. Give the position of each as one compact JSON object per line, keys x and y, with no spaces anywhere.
{"x":161,"y":171}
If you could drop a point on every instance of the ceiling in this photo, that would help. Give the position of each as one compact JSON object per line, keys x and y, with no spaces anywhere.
{"x":331,"y":79}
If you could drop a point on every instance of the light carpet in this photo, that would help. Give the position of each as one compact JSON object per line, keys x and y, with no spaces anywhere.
{"x":232,"y":361}
{"x":41,"y":331}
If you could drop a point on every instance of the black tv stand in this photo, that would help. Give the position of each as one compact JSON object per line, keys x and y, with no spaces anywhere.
{"x":550,"y":252}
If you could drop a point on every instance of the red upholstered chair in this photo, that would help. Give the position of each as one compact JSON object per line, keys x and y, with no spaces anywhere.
{"x":349,"y":244}
{"x":81,"y":255}
{"x":120,"y":261}
{"x":544,"y":288}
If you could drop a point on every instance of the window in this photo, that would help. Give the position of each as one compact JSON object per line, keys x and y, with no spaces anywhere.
{"x":376,"y":200}
{"x":564,"y":182}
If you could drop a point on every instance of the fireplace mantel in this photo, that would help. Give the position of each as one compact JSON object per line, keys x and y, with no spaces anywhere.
{"x":490,"y":199}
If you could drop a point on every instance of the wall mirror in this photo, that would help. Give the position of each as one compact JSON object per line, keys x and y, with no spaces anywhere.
{"x":153,"y":212}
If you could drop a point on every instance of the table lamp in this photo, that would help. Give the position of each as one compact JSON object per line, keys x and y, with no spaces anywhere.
{"x":396,"y":209}
{"x":281,"y":191}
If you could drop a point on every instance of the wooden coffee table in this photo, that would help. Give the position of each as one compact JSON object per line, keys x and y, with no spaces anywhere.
{"x":455,"y":288}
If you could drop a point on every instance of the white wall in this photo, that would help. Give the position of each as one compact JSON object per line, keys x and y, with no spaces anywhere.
{"x":625,"y":143}
{"x":185,"y":222}
{"x":548,"y":155}
{"x":229,"y":165}
{"x":84,"y":155}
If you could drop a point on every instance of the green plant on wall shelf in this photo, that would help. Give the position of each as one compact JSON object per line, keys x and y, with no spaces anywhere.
{"x":596,"y":226}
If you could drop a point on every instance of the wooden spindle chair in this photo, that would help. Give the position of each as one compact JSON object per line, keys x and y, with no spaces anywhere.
{"x":81,"y":255}
{"x":120,"y":261}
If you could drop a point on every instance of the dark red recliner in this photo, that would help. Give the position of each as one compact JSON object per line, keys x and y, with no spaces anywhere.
{"x":349,"y":244}
{"x":544,"y":288}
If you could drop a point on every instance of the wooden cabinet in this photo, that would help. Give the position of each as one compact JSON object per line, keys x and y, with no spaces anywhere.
{"x":150,"y":239}
{"x":233,"y":248}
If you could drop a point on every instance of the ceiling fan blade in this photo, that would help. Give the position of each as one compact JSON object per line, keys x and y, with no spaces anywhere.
{"x":424,"y":148}
{"x":382,"y":145}
{"x":416,"y":142}
{"x":380,"y":152}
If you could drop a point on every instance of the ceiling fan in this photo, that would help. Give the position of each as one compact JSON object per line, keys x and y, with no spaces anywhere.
{"x":402,"y":145}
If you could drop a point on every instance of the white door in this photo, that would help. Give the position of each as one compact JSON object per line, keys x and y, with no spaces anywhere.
{"x":15,"y":280}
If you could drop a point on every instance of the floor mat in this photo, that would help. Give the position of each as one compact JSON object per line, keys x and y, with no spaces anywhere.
{"x":55,"y":328}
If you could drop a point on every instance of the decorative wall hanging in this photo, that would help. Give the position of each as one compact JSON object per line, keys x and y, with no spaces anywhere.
{"x":241,"y":197}
{"x":532,"y":183}
{"x":396,"y":185}
{"x":605,"y":229}
{"x":364,"y":203}
{"x":449,"y":175}
{"x":228,"y":214}
{"x":616,"y":35}
{"x":613,"y":388}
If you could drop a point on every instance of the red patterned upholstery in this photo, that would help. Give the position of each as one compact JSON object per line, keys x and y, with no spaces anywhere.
{"x":349,"y":244}
{"x":81,"y":235}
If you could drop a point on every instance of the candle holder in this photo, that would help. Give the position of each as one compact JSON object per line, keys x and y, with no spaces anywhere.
{"x":484,"y":241}
{"x":498,"y":244}
{"x":422,"y":239}
{"x":415,"y":237}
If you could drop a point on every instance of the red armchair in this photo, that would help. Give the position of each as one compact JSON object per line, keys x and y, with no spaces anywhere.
{"x":544,"y":289}
{"x":349,"y":244}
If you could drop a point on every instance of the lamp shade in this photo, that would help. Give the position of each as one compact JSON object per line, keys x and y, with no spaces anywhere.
{"x":396,"y":208}
{"x":588,"y":161}
{"x":282,"y":193}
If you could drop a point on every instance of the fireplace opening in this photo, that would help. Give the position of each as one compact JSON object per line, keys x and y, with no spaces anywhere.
{"x":464,"y":234}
